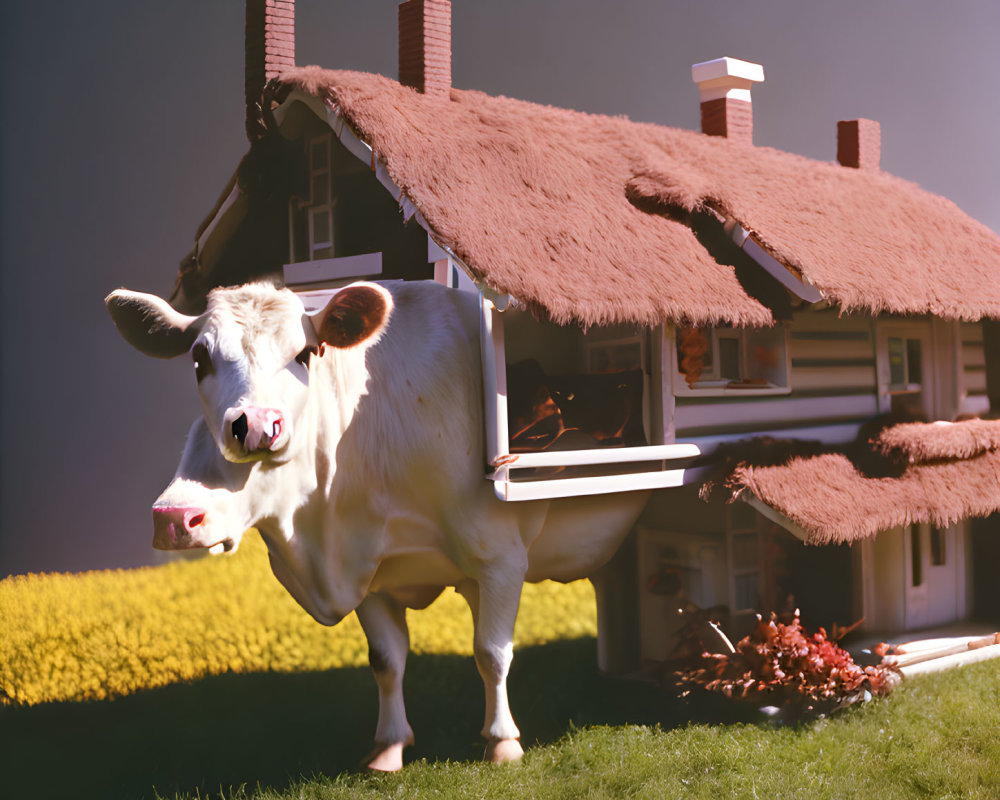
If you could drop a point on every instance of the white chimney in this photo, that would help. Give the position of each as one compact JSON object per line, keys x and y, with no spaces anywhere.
{"x":724,"y":85}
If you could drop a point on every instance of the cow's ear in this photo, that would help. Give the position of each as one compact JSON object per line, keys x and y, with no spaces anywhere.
{"x":354,"y":315}
{"x":150,"y":324}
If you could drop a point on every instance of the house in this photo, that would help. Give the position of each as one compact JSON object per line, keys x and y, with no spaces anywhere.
{"x":780,"y":348}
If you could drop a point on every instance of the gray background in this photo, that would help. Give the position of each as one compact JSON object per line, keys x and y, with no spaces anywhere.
{"x":123,"y":120}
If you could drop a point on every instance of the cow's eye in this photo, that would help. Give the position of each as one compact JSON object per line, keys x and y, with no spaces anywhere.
{"x":202,"y":362}
{"x":307,"y":352}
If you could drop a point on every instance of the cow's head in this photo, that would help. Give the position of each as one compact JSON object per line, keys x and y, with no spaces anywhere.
{"x":251,"y":352}
{"x":205,"y":504}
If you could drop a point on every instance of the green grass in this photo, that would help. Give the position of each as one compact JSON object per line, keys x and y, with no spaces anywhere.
{"x":203,"y":679}
{"x":587,"y":736}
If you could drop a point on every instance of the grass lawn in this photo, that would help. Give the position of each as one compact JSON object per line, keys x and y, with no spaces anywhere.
{"x":203,"y":679}
{"x":588,"y":736}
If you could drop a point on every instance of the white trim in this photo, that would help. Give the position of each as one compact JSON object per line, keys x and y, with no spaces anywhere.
{"x":314,"y":103}
{"x":609,"y":455}
{"x":332,"y":269}
{"x":726,"y":77}
{"x":774,"y":516}
{"x":494,"y":366}
{"x":726,"y":67}
{"x":749,"y":244}
{"x":494,"y":360}
{"x":710,"y":93}
{"x":435,"y":252}
{"x":514,"y":491}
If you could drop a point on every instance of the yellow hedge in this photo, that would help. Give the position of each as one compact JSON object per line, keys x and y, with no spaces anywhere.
{"x":98,"y":635}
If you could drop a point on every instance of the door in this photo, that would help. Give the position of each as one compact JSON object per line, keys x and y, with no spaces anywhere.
{"x":934,"y":595}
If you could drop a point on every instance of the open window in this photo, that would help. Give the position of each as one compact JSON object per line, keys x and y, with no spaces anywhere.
{"x":573,"y":412}
{"x":725,"y":360}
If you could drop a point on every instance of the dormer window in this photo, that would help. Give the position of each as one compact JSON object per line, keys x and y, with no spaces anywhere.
{"x":721,"y":359}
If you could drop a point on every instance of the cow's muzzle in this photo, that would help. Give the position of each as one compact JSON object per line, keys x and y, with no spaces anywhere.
{"x":178,"y":528}
{"x":254,"y":430}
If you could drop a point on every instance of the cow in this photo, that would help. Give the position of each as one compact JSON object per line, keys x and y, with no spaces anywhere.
{"x":352,"y":439}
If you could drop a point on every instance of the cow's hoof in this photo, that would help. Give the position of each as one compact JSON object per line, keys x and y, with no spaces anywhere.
{"x":385,"y":758}
{"x":501,"y":751}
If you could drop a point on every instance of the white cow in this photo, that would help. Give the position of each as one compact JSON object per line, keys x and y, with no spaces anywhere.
{"x":353,"y":441}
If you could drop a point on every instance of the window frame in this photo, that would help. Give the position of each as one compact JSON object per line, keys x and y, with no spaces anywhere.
{"x":925,"y":389}
{"x":711,"y":384}
{"x":312,"y":208}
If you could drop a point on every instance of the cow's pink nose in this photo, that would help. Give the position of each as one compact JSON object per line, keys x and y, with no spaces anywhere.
{"x":173,"y":528}
{"x":256,"y":428}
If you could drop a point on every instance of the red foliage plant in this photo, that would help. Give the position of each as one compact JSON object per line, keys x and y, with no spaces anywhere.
{"x":779,"y":665}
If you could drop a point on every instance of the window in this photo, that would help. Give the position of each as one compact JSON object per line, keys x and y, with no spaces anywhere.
{"x":320,"y":211}
{"x":731,"y":358}
{"x":905,"y":368}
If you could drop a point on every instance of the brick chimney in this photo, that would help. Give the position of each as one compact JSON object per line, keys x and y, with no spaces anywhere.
{"x":724,"y":85}
{"x":270,"y":48}
{"x":425,"y":46}
{"x":859,"y":143}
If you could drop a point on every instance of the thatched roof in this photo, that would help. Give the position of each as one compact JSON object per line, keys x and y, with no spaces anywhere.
{"x":584,"y":215}
{"x":920,"y":442}
{"x":954,"y":473}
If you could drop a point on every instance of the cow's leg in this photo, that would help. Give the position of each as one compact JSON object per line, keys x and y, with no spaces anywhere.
{"x":494,"y":600}
{"x":384,"y":623}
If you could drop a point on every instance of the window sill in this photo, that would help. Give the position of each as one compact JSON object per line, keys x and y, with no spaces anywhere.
{"x":729,"y":390}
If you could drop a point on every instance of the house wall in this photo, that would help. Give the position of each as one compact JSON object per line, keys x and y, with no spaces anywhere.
{"x":832,"y":388}
{"x":838,"y":380}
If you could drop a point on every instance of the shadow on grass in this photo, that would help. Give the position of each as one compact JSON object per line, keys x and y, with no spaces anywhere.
{"x":269,"y":729}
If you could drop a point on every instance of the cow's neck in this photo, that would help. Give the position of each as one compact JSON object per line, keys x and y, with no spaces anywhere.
{"x":323,"y":529}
